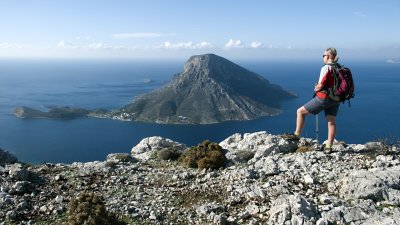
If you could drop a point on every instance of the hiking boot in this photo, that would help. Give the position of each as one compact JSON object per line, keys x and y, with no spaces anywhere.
{"x":319,"y":149}
{"x":327,"y":150}
{"x":292,"y":137}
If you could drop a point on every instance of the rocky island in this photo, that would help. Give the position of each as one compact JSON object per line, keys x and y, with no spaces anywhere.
{"x":210,"y":89}
{"x":65,"y":113}
{"x":264,"y":179}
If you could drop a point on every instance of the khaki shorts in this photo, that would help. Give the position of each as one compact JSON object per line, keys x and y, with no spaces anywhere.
{"x":316,"y":105}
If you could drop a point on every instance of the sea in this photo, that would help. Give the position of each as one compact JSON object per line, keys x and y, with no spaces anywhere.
{"x":111,"y":84}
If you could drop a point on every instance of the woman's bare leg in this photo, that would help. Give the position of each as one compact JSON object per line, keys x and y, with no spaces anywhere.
{"x":331,"y":129}
{"x":301,"y":118}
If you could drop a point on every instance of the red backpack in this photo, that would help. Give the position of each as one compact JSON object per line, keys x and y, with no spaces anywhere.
{"x":343,"y":88}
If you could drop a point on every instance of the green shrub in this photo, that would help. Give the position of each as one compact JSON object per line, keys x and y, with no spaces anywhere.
{"x":168,"y":154}
{"x":205,"y":155}
{"x":303,"y":149}
{"x":111,"y":164}
{"x":123,"y":157}
{"x":154,"y":154}
{"x":89,"y":209}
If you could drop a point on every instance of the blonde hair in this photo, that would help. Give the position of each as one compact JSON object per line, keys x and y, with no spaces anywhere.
{"x":333,"y":53}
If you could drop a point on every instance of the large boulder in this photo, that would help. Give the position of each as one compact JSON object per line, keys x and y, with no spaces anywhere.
{"x":150,"y":145}
{"x":387,"y":217}
{"x":260,"y":144}
{"x":18,"y":172}
{"x":292,"y":209}
{"x":377,"y":184}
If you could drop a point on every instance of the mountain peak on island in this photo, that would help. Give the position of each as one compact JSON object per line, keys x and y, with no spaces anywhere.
{"x":197,"y":62}
{"x":210,"y":89}
{"x":212,"y":65}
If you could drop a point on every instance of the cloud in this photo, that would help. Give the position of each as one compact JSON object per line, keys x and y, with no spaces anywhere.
{"x":234,"y":44}
{"x":137,"y":35}
{"x":87,"y":37}
{"x":67,"y":45}
{"x":78,"y":47}
{"x":231,"y":44}
{"x":205,"y":45}
{"x":102,"y":46}
{"x":393,"y":61}
{"x":256,"y":44}
{"x":95,"y":46}
{"x":7,"y":45}
{"x":185,"y":45}
{"x":360,"y":14}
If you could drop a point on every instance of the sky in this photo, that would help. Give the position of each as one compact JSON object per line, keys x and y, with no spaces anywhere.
{"x":252,"y":29}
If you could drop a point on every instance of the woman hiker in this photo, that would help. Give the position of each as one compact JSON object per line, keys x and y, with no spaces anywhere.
{"x":321,"y":101}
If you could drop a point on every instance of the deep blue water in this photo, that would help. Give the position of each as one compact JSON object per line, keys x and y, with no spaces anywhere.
{"x":112,"y":84}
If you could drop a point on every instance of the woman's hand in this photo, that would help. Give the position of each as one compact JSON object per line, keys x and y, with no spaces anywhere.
{"x":318,"y":87}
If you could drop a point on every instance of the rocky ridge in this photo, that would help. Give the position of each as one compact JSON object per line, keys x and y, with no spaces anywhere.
{"x":267,"y":180}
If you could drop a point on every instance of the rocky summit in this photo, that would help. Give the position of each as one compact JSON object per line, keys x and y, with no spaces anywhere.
{"x":266,"y":180}
{"x":210,"y":89}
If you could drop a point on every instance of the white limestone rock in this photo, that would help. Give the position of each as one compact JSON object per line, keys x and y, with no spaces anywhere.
{"x":149,"y":145}
{"x":292,"y":209}
{"x":17,"y":172}
{"x":308,"y":179}
{"x":260,"y":143}
{"x":268,"y":166}
{"x":376,"y":184}
{"x":387,"y":217}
